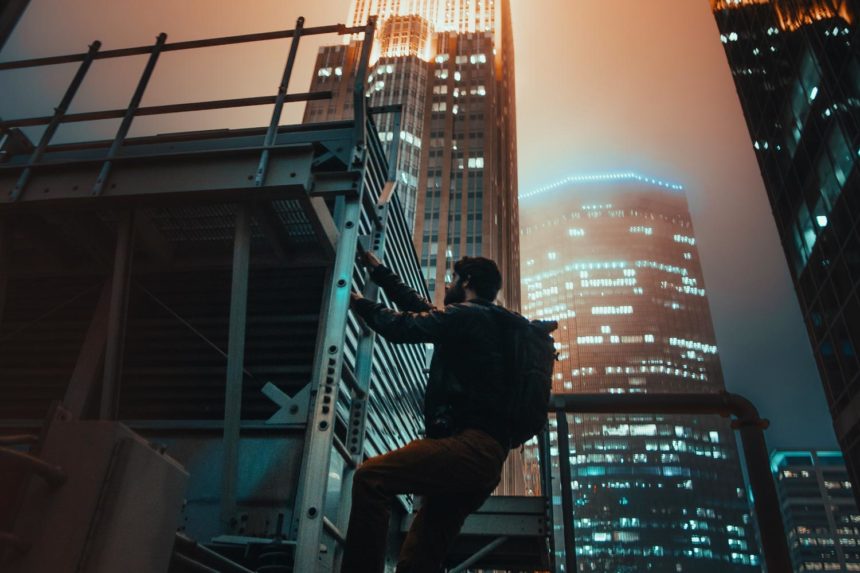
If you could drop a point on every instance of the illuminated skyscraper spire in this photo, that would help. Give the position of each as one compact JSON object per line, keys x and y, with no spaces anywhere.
{"x":461,"y":16}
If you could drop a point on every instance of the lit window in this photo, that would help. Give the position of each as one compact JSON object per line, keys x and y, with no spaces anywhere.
{"x":601,"y":310}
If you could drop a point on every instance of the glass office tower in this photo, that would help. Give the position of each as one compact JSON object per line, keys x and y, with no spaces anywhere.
{"x":796,"y":66}
{"x":450,"y":64}
{"x":613,"y":258}
{"x":822,"y":521}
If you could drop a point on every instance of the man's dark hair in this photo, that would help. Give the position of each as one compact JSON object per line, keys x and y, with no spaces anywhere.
{"x":483,"y":275}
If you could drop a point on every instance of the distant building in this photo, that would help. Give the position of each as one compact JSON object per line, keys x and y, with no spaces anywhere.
{"x":821,"y":517}
{"x":796,"y":66}
{"x":613,"y":258}
{"x":450,"y":64}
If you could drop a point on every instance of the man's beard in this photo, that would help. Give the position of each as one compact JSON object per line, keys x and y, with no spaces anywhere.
{"x":456,"y":293}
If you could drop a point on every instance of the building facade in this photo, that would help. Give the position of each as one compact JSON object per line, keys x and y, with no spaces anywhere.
{"x":821,"y":517}
{"x":613,"y":258}
{"x":450,"y":65}
{"x":796,"y":66}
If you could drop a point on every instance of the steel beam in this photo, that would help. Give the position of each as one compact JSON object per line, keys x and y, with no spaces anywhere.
{"x":566,"y":491}
{"x":235,"y":363}
{"x":5,"y":261}
{"x":117,"y":315}
{"x":203,"y":175}
{"x":545,"y":460}
{"x":84,"y":380}
{"x":748,"y":421}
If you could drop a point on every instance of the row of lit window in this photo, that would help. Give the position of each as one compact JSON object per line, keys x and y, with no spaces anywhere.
{"x":404,"y":136}
{"x":327,"y":72}
{"x":693,"y":345}
{"x":462,"y":58}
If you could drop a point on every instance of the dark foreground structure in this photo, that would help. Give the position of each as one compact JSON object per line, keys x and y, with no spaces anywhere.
{"x":182,"y":386}
{"x":796,"y":66}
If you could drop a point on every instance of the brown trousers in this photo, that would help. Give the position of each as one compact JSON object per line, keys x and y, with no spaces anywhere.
{"x":455,"y":475}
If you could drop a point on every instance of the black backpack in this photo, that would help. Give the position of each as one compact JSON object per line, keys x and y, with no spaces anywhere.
{"x":530,"y":356}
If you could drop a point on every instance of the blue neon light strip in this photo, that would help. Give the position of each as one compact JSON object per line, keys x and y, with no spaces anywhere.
{"x":601,"y":178}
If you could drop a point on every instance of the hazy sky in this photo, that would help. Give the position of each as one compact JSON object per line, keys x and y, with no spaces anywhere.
{"x":602,"y":85}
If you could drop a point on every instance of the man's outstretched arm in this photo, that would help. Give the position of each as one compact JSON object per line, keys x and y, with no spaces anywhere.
{"x":399,"y":292}
{"x":431,"y":325}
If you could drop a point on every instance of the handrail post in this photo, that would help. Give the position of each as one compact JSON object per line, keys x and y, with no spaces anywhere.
{"x":56,"y":120}
{"x":545,"y":459}
{"x":130,"y":112}
{"x":767,"y":508}
{"x":359,"y":101}
{"x":567,"y":526}
{"x":272,"y":131}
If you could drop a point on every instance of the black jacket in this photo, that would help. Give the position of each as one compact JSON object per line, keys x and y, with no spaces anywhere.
{"x":466,"y":381}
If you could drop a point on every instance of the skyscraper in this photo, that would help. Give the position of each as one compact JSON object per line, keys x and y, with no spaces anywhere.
{"x":821,"y":518}
{"x":450,"y":64}
{"x":796,"y":66}
{"x":613,"y":258}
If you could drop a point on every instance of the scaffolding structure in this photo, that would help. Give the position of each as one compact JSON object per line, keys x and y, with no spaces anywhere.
{"x":194,"y":288}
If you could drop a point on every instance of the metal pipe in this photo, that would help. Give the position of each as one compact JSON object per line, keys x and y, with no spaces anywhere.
{"x":773,"y":537}
{"x":122,"y":132}
{"x":567,"y":527}
{"x":272,"y":132}
{"x":344,"y":453}
{"x":176,"y":46}
{"x":168,"y":108}
{"x":546,"y":490}
{"x":485,"y":550}
{"x":359,"y":101}
{"x":52,"y":474}
{"x":115,"y":342}
{"x":235,"y":361}
{"x":333,"y":531}
{"x":56,"y":119}
{"x":18,"y":440}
